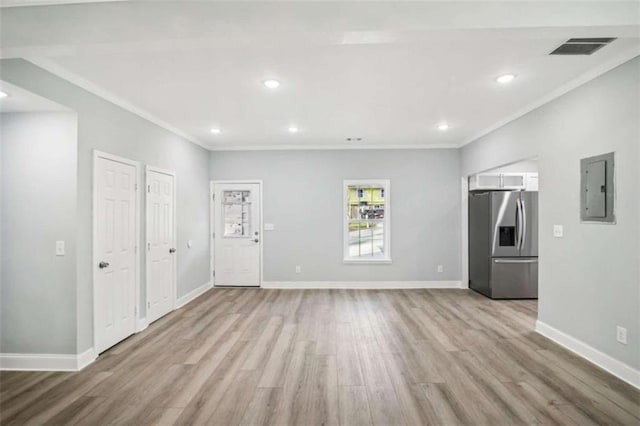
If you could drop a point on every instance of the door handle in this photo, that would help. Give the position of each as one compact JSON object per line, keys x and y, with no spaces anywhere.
{"x":515,"y":260}
{"x":172,"y":250}
{"x":256,"y":240}
{"x":103,"y":265}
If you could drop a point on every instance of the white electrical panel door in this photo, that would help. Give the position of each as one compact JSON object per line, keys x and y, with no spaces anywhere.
{"x":115,"y":271}
{"x":237,"y":234}
{"x":161,"y":244}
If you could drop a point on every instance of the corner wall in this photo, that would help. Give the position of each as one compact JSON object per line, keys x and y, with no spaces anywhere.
{"x":590,"y":279}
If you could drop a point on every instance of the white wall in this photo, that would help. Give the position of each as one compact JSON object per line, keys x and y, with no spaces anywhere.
{"x":38,"y":199}
{"x":526,"y":166}
{"x":303,"y":197}
{"x":590,"y":279}
{"x":107,"y":127}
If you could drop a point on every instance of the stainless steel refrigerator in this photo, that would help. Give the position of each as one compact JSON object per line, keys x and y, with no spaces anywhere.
{"x":503,"y":244}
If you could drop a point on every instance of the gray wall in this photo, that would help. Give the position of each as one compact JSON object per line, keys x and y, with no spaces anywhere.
{"x":303,"y":198}
{"x":106,"y":127}
{"x":38,"y":199}
{"x":590,"y":279}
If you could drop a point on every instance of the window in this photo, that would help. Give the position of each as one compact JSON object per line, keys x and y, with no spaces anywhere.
{"x":366,"y":225}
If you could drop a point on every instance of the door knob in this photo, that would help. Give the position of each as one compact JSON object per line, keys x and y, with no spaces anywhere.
{"x":172,"y":250}
{"x":256,"y":240}
{"x":103,"y":265}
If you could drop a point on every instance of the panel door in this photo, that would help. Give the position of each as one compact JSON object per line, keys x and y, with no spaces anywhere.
{"x":237,"y":234}
{"x":161,"y":244}
{"x":504,"y":233}
{"x":115,"y":271}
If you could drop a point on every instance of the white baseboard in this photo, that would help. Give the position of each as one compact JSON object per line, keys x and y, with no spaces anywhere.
{"x":85,"y":358}
{"x":602,"y":360}
{"x":362,"y":285}
{"x":141,"y":324}
{"x":47,"y":362}
{"x":193,"y":294}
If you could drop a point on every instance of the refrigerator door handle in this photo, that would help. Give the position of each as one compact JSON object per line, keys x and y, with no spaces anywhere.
{"x":523,"y":223}
{"x":518,"y":226}
{"x":515,"y":260}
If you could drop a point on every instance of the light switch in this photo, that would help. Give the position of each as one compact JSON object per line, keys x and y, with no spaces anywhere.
{"x":558,"y":231}
{"x":59,"y":248}
{"x":269,"y":227}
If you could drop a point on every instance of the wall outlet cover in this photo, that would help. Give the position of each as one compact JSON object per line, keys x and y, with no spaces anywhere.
{"x":558,"y":231}
{"x":440,"y":268}
{"x":59,"y":248}
{"x":621,"y":335}
{"x":298,"y":269}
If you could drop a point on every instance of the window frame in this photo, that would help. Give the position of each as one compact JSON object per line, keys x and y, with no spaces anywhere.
{"x":386,"y":185}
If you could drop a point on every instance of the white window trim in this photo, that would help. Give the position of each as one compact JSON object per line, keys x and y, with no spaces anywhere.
{"x":386,"y":184}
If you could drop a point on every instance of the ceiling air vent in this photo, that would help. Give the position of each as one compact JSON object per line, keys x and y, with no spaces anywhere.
{"x":582,"y":46}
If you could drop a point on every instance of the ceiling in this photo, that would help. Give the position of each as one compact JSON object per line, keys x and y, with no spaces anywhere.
{"x":386,"y":72}
{"x":20,"y":100}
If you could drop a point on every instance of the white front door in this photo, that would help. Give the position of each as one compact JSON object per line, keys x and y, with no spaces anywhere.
{"x":161,"y":243}
{"x":237,"y":235}
{"x":115,"y":268}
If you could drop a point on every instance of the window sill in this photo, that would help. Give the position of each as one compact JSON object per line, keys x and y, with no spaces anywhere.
{"x":366,"y":261}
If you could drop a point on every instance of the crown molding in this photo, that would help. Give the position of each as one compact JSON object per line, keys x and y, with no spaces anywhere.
{"x":320,"y":147}
{"x":25,"y":3}
{"x":562,"y":90}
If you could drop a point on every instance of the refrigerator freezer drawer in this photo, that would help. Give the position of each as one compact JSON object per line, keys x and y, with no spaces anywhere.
{"x":514,"y":278}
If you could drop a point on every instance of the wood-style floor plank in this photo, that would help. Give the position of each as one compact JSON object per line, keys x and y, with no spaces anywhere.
{"x":343,"y":357}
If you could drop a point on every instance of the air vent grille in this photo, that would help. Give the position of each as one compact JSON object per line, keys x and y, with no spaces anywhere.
{"x":582,"y":46}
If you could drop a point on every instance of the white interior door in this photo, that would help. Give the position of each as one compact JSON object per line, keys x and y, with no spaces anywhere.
{"x":115,"y":268}
{"x":237,"y":235}
{"x":161,"y":243}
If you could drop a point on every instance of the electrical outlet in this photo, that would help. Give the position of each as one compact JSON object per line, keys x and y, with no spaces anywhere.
{"x":298,"y":269}
{"x":440,"y":268}
{"x":558,"y":231}
{"x":621,"y":335}
{"x":59,"y":248}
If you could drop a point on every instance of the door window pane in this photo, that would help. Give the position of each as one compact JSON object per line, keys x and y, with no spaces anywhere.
{"x":236,"y":208}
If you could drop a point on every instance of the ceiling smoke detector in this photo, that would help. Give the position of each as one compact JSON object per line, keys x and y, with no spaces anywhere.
{"x":582,"y":46}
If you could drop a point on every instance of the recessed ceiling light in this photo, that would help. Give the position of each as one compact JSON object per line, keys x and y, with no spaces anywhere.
{"x":443,"y":127}
{"x":293,"y":129}
{"x":505,"y":78}
{"x":216,"y":130}
{"x":3,"y":95}
{"x":271,"y":84}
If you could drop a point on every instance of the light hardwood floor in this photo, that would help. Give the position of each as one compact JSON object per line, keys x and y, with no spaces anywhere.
{"x":392,"y":357}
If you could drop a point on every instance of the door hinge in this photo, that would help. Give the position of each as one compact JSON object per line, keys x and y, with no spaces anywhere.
{"x":135,"y":311}
{"x":148,"y":188}
{"x":213,"y":197}
{"x":214,"y":274}
{"x":148,"y":246}
{"x":148,"y":305}
{"x":136,"y":186}
{"x":135,"y":249}
{"x":213,"y":235}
